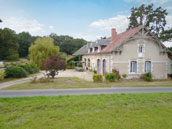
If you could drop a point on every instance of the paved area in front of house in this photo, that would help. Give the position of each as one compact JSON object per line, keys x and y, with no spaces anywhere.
{"x":56,"y":92}
{"x":67,"y":73}
{"x":86,"y":75}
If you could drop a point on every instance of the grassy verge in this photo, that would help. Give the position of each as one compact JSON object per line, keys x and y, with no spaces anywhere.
{"x":117,"y":111}
{"x":68,"y":82}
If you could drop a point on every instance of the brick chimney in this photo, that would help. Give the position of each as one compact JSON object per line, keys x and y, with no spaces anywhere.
{"x":114,"y":34}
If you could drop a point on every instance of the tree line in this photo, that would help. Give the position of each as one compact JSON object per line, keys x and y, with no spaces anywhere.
{"x":14,"y":46}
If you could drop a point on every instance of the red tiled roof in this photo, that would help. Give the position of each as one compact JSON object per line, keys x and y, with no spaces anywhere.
{"x":120,"y":38}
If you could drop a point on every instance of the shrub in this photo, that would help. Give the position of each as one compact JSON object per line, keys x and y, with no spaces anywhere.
{"x":124,"y":75}
{"x":170,"y":75}
{"x":95,"y":71}
{"x":110,"y":77}
{"x":52,"y":65}
{"x":15,"y":72}
{"x":2,"y":74}
{"x":147,"y":77}
{"x":70,"y":65}
{"x":12,"y":57}
{"x":117,"y":73}
{"x":79,"y":64}
{"x":30,"y":68}
{"x":97,"y":78}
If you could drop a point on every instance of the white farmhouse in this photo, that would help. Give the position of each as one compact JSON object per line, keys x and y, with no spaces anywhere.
{"x":133,"y":52}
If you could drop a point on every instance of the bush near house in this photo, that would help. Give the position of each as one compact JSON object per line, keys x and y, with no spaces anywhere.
{"x":117,"y":73}
{"x":79,"y":64}
{"x":70,"y":65}
{"x":2,"y":74}
{"x":124,"y":76}
{"x":147,"y":77}
{"x":15,"y":72}
{"x":97,"y":78}
{"x":110,"y":77}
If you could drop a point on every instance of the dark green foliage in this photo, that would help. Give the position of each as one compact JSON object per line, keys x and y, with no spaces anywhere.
{"x":124,"y":75}
{"x":24,"y":40}
{"x":170,"y":48}
{"x":8,"y":45}
{"x":166,"y":35}
{"x":147,"y":77}
{"x":70,"y":65}
{"x":79,"y":64}
{"x":30,"y":68}
{"x":97,"y":78}
{"x":170,"y":75}
{"x":15,"y":72}
{"x":71,"y":45}
{"x":153,"y":19}
{"x":110,"y":77}
{"x":75,"y":58}
{"x":67,"y":44}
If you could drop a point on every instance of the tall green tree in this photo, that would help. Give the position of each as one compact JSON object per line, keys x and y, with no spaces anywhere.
{"x":8,"y":45}
{"x":41,"y":49}
{"x":67,"y":44}
{"x":59,"y":39}
{"x":153,"y":19}
{"x":71,"y":45}
{"x":24,"y":40}
{"x":166,"y":35}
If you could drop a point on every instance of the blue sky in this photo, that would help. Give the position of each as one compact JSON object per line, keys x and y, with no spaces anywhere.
{"x":88,"y":19}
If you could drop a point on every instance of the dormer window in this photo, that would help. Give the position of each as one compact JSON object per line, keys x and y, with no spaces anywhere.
{"x":103,"y":46}
{"x":95,"y":49}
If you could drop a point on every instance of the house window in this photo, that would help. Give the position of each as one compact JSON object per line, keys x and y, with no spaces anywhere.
{"x":133,"y":67}
{"x":140,"y":50}
{"x":85,"y":62}
{"x":147,"y":66}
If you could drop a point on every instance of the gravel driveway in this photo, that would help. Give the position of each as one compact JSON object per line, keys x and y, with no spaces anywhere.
{"x":72,"y":73}
{"x":67,"y":73}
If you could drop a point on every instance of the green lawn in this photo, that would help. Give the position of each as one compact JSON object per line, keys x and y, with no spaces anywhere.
{"x":67,"y":82}
{"x":116,"y":111}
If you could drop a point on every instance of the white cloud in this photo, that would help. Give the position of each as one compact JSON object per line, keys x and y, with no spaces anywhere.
{"x":88,"y":37}
{"x":21,"y":24}
{"x":167,"y":43}
{"x":120,"y":22}
{"x":169,"y":21}
{"x":51,"y":27}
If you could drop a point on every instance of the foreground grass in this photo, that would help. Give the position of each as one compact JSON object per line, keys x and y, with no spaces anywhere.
{"x":117,"y":111}
{"x":68,"y":82}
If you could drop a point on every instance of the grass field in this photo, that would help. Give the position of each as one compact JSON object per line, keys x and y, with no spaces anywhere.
{"x":67,"y":82}
{"x":117,"y":111}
